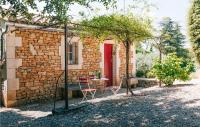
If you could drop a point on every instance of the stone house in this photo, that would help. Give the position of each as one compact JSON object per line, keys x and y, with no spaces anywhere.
{"x":34,"y":56}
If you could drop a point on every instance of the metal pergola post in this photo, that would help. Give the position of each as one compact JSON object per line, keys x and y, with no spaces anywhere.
{"x":66,"y":108}
{"x":66,"y":67}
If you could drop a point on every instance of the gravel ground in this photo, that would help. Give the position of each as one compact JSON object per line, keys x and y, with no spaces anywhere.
{"x":177,"y":106}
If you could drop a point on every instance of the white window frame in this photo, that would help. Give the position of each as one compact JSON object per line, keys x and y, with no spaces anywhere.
{"x":62,"y":53}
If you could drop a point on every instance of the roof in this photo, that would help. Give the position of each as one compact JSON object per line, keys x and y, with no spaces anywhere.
{"x":32,"y":19}
{"x":39,"y":20}
{"x":36,"y":20}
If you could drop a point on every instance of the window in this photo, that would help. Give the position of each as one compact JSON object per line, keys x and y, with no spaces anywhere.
{"x":73,"y":53}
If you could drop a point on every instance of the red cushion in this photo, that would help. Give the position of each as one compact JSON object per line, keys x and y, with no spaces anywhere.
{"x":83,"y":80}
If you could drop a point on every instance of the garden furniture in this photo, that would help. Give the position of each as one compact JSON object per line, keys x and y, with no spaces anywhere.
{"x":100,"y":83}
{"x":87,"y":90}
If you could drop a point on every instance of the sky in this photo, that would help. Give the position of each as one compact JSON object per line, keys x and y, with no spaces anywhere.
{"x":177,"y":10}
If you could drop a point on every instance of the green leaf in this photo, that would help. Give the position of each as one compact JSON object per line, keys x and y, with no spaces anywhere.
{"x":172,"y":68}
{"x":193,"y":27}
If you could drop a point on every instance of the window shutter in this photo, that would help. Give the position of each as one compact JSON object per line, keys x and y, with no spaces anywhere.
{"x":76,"y":53}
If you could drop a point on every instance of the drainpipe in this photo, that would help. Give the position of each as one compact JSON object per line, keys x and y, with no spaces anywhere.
{"x":2,"y":42}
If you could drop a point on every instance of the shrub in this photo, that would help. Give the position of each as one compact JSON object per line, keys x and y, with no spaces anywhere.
{"x":142,"y":71}
{"x":172,"y":68}
{"x":150,"y":75}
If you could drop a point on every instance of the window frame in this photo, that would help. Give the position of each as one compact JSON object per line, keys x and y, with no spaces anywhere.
{"x":73,"y":52}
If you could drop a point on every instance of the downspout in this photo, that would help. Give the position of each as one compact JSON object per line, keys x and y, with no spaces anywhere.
{"x":2,"y":42}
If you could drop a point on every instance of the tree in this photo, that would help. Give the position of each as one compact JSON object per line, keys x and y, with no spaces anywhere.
{"x":193,"y":27}
{"x":158,"y":44}
{"x":55,"y":10}
{"x":172,"y":68}
{"x":126,"y":29}
{"x":172,"y":39}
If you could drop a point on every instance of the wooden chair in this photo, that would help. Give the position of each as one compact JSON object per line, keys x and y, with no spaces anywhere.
{"x":86,"y":88}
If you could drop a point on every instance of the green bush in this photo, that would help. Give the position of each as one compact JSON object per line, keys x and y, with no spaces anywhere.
{"x":142,"y":71}
{"x":172,"y":68}
{"x":150,"y":74}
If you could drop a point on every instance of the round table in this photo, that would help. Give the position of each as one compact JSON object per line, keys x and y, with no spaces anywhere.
{"x":99,"y":81}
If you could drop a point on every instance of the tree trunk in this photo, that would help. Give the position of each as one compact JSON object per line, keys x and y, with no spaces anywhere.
{"x":160,"y":59}
{"x":127,"y":46}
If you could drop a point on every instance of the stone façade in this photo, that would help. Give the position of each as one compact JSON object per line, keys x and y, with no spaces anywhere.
{"x":36,"y":60}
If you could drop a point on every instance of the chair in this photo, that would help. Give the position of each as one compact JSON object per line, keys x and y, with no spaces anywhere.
{"x":90,"y":77}
{"x":115,"y":89}
{"x":85,"y":88}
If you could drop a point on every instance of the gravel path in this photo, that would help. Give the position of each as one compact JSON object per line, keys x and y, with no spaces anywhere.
{"x":177,"y":106}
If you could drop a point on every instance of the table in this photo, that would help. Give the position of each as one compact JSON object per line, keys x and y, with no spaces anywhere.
{"x":99,"y":81}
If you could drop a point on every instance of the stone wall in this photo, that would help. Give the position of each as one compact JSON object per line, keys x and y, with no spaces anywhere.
{"x":122,"y":57}
{"x":145,"y":82}
{"x":2,"y":79}
{"x":91,"y":60}
{"x":41,"y":63}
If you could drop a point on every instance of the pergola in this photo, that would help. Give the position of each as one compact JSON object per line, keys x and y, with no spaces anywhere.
{"x":43,"y":24}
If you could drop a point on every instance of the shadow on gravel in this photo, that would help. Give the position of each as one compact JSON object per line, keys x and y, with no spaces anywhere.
{"x":154,"y":110}
{"x":11,"y":118}
{"x":180,"y":85}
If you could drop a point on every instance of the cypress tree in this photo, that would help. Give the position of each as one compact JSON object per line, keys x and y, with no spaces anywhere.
{"x":194,"y":27}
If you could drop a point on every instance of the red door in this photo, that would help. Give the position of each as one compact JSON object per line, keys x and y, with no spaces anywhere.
{"x":108,"y":68}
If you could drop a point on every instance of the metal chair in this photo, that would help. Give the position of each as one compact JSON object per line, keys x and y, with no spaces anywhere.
{"x":115,"y":89}
{"x":85,"y":88}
